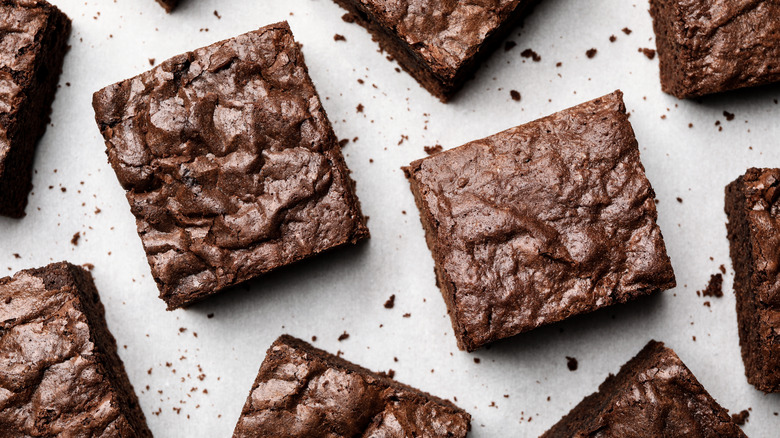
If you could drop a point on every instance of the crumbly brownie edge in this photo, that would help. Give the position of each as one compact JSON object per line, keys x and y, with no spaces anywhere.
{"x":28,"y":125}
{"x":65,"y":275}
{"x":672,"y":57}
{"x":740,"y":249}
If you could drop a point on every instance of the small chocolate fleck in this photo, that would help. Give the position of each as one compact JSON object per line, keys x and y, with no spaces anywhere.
{"x":343,"y":336}
{"x":390,"y":302}
{"x":571,"y":363}
{"x":151,"y":61}
{"x":477,"y":360}
{"x":210,"y":315}
{"x":430,"y":150}
{"x":729,"y":116}
{"x":627,"y":31}
{"x":348,"y":17}
{"x":714,"y":287}
{"x":679,"y":199}
{"x":359,"y":108}
{"x":741,"y":417}
{"x":515,"y":95}
{"x":612,"y":38}
{"x":338,"y":37}
{"x":590,"y":53}
{"x":216,"y":14}
{"x":528,"y":53}
{"x":75,"y":240}
{"x":650,"y":53}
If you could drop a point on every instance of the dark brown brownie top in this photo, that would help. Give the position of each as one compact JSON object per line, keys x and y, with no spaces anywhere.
{"x":653,"y":395}
{"x":302,"y":391}
{"x":543,"y":221}
{"x":718,"y":45}
{"x":444,"y":33}
{"x":230,"y":163}
{"x":54,"y":378}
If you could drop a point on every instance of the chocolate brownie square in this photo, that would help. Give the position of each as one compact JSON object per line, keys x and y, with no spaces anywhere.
{"x":710,"y":46}
{"x":541,"y":222}
{"x":60,"y":374}
{"x":32,"y":46}
{"x":230,"y":164}
{"x":302,"y":391}
{"x":753,"y":210}
{"x":653,"y":395}
{"x":439,"y":42}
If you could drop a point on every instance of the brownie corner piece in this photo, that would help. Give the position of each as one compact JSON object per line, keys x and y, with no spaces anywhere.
{"x":753,"y":211}
{"x":440,"y":44}
{"x":60,"y":373}
{"x":541,"y":222}
{"x":230,"y":164}
{"x":707,"y":46}
{"x":653,"y":395}
{"x":33,"y":45}
{"x":304,"y":391}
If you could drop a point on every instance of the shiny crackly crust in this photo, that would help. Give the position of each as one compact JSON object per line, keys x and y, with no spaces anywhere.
{"x":710,"y":46}
{"x":541,"y":222}
{"x":33,"y":43}
{"x":753,"y":209}
{"x":653,"y":395}
{"x":301,"y":391}
{"x":230,"y":164}
{"x":60,"y":374}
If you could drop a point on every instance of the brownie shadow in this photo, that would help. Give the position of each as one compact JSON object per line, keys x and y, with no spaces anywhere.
{"x":743,"y":97}
{"x":273,"y":285}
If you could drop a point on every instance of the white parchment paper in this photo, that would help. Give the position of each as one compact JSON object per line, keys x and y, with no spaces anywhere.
{"x":192,"y":373}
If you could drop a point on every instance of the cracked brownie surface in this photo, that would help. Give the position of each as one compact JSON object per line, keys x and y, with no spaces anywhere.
{"x":541,"y":222}
{"x":653,"y":395}
{"x":302,"y":391}
{"x":753,"y":210}
{"x":60,"y":374}
{"x":230,"y":164}
{"x":710,"y":46}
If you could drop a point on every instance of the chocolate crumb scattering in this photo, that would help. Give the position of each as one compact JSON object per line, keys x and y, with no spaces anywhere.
{"x":650,"y":53}
{"x":571,"y":363}
{"x":741,"y":417}
{"x":729,"y":116}
{"x":515,"y":95}
{"x":338,"y":37}
{"x":430,"y":150}
{"x":590,"y":53}
{"x":714,"y":287}
{"x":390,"y":303}
{"x":343,"y":336}
{"x":528,"y":53}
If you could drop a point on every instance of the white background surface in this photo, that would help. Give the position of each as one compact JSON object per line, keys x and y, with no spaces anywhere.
{"x":346,"y":290}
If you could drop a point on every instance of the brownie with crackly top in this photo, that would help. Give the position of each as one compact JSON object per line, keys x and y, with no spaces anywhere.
{"x":230,"y":164}
{"x":60,"y":374}
{"x":653,"y":395}
{"x":541,"y":222}
{"x":753,"y":210}
{"x":302,"y":391}
{"x":33,"y":43}
{"x":709,"y":46}
{"x":439,"y":42}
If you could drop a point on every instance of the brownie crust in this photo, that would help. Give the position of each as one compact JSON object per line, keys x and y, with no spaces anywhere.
{"x":541,"y":222}
{"x":439,"y":42}
{"x":653,"y":395}
{"x":33,"y":44}
{"x":60,"y":373}
{"x":230,"y":164}
{"x":753,"y":228}
{"x":302,"y":391}
{"x":708,"y":46}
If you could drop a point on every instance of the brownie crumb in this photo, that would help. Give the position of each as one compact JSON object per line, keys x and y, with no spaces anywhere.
{"x":17,"y":256}
{"x":359,"y":108}
{"x":430,"y":150}
{"x":75,"y":240}
{"x":151,"y":61}
{"x":407,"y":315}
{"x":571,"y":363}
{"x":390,"y":303}
{"x":343,"y":336}
{"x":558,"y":64}
{"x":509,"y":45}
{"x":515,"y":95}
{"x":591,"y":53}
{"x":528,"y":53}
{"x":722,"y":269}
{"x":740,"y":418}
{"x":88,"y":266}
{"x":729,"y":116}
{"x":348,"y":18}
{"x":627,"y":31}
{"x":679,"y":199}
{"x":343,"y":142}
{"x":714,"y":287}
{"x":216,"y":14}
{"x":477,"y":360}
{"x":338,"y":37}
{"x":612,"y":38}
{"x":650,"y":53}
{"x":314,"y":339}
{"x":210,"y":315}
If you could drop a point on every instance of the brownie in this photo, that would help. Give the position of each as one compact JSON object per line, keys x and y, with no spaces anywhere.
{"x":653,"y":395}
{"x":753,"y":211}
{"x":710,"y":46}
{"x":60,"y":374}
{"x":168,"y":4}
{"x":541,"y":222}
{"x":32,"y":46}
{"x":439,"y":42}
{"x":230,"y":164}
{"x":302,"y":391}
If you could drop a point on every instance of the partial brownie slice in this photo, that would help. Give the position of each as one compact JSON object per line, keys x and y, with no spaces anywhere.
{"x":168,"y":4}
{"x":302,"y":391}
{"x":60,"y":374}
{"x":32,"y":46}
{"x":541,"y":222}
{"x":230,"y":164}
{"x":653,"y":395}
{"x":709,"y":46}
{"x":753,"y":209}
{"x":439,"y":42}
